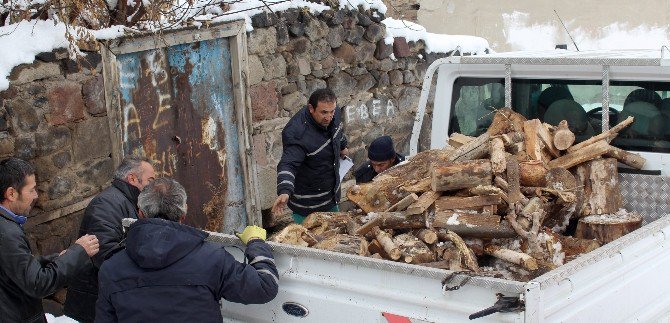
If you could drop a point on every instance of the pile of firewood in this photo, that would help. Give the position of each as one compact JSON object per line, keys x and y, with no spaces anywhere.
{"x":497,"y":205}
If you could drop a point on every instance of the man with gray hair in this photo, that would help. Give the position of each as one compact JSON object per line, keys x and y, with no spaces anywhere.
{"x":102,"y":218}
{"x":168,"y":272}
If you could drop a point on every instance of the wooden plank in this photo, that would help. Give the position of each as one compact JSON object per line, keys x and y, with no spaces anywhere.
{"x":477,"y":225}
{"x":456,"y":202}
{"x":497,"y":155}
{"x":456,"y":139}
{"x":579,"y":156}
{"x":404,"y":203}
{"x":513,"y":184}
{"x":532,"y":142}
{"x":423,"y":203}
{"x":546,"y":137}
{"x":607,"y":135}
{"x":474,"y":149}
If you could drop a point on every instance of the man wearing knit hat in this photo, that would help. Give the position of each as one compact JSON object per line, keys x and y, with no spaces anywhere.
{"x":382,"y":156}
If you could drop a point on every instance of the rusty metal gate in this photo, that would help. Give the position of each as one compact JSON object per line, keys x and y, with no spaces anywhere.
{"x":181,"y":104}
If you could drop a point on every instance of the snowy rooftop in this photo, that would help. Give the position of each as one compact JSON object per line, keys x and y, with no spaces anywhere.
{"x":20,"y":42}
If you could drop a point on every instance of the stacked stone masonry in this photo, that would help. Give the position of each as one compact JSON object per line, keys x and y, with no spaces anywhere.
{"x":54,"y":113}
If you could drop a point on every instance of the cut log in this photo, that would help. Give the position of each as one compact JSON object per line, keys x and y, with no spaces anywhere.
{"x":467,"y":255}
{"x":512,"y":256}
{"x":461,"y":175}
{"x":627,"y":158}
{"x":532,"y":141}
{"x":418,"y":186}
{"x":319,"y":222}
{"x":600,"y":179}
{"x":293,"y":234}
{"x":546,"y":137}
{"x":607,"y":227}
{"x":386,"y":241}
{"x":427,"y":235}
{"x":497,"y":153}
{"x":606,"y":136}
{"x":442,"y":264}
{"x":532,"y":173}
{"x":414,"y":251}
{"x":513,"y":185}
{"x":376,"y":256}
{"x":512,"y":138}
{"x":400,"y":220}
{"x":423,"y":203}
{"x":456,"y":139}
{"x":574,"y":246}
{"x":455,"y":202}
{"x":581,"y":155}
{"x":344,"y":243}
{"x":472,"y":150}
{"x":370,"y":197}
{"x":404,"y":203}
{"x":504,"y":121}
{"x":352,"y":227}
{"x":374,"y":247}
{"x":374,"y":220}
{"x":475,"y":225}
{"x":563,"y":138}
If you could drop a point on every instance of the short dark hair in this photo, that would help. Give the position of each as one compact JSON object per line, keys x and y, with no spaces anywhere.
{"x":163,"y":198}
{"x":129,"y":165}
{"x":321,"y":95}
{"x":13,"y":173}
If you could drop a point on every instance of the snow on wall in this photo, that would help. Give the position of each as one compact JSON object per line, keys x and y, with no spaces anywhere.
{"x":522,"y":35}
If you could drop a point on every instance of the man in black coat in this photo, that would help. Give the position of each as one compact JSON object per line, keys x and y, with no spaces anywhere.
{"x":308,"y":173}
{"x":102,"y":218}
{"x":25,"y":279}
{"x":169,"y":273}
{"x":382,"y":157}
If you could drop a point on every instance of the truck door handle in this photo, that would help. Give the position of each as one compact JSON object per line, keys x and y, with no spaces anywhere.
{"x":503,"y":304}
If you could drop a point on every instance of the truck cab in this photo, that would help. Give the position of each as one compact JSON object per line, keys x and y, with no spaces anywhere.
{"x":557,"y":85}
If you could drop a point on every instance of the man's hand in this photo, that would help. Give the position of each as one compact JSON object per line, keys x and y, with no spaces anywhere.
{"x":344,"y":153}
{"x":90,"y":244}
{"x":251,"y":232}
{"x":280,"y":204}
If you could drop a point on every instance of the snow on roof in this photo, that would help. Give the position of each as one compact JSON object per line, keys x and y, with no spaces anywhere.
{"x":435,"y":43}
{"x":20,"y":42}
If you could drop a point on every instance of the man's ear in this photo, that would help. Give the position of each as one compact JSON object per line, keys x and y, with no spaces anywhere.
{"x":182,"y":218}
{"x":140,"y":214}
{"x":11,"y":194}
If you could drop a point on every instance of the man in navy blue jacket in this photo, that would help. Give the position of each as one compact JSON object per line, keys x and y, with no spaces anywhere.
{"x":168,"y":273}
{"x":313,"y":142}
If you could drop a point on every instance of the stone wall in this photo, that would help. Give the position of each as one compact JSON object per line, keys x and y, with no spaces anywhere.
{"x":54,"y":115}
{"x":377,"y":84}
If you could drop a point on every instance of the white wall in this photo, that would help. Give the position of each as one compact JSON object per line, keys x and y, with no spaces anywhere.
{"x":527,"y":24}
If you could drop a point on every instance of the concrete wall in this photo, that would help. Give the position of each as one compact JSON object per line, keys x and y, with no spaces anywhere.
{"x":527,"y":24}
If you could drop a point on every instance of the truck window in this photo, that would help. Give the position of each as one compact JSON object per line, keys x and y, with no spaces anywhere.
{"x":578,"y":101}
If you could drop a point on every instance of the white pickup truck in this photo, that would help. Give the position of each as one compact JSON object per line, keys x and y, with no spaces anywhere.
{"x":623,"y":281}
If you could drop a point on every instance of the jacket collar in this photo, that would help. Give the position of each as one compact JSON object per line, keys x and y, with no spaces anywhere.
{"x":129,"y":191}
{"x":9,"y":215}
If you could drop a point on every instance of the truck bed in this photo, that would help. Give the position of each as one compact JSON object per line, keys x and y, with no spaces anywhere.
{"x":623,"y":281}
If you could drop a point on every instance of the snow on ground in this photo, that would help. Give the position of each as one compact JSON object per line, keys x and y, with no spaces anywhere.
{"x":19,"y":43}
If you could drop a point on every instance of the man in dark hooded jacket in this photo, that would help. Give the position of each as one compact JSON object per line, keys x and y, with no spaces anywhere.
{"x":308,"y":173}
{"x":24,"y":278}
{"x":169,"y":273}
{"x":102,"y":218}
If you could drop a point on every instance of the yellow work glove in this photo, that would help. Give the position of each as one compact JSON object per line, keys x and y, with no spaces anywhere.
{"x":251,"y":232}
